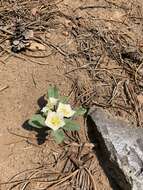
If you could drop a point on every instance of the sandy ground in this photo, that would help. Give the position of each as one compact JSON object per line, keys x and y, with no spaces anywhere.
{"x":26,"y":83}
{"x":72,"y":34}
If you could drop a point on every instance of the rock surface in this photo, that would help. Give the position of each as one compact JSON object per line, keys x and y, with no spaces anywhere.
{"x":121,"y":145}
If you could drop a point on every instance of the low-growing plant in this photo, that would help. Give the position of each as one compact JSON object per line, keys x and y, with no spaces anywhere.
{"x":57,"y":115}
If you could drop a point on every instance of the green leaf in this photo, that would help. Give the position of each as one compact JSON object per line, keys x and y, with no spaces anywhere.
{"x":70,"y":125}
{"x":37,"y":121}
{"x":53,"y":92}
{"x":64,"y":99}
{"x":80,"y":111}
{"x":58,"y":136}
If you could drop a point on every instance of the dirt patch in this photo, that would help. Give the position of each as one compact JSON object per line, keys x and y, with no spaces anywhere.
{"x":22,"y":156}
{"x":92,"y":51}
{"x":28,"y":162}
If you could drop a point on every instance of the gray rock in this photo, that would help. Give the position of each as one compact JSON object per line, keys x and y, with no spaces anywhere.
{"x":121,"y":145}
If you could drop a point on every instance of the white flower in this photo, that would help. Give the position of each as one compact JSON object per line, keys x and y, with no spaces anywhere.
{"x":54,"y":120}
{"x":50,"y":105}
{"x":52,"y":102}
{"x":65,"y":110}
{"x":45,"y":109}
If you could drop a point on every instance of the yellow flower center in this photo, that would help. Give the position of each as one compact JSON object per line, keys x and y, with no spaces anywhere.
{"x":56,"y":121}
{"x":65,"y":111}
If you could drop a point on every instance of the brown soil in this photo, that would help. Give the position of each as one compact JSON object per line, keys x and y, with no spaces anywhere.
{"x":18,"y":103}
{"x":92,"y":51}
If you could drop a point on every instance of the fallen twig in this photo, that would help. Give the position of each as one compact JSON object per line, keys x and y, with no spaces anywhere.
{"x":63,"y":179}
{"x":4,"y":88}
{"x":91,"y":178}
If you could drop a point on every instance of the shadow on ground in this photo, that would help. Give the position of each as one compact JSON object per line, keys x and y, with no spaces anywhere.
{"x":42,"y":133}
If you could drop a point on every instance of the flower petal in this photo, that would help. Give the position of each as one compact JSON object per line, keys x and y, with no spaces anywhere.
{"x":45,"y":109}
{"x":65,"y":110}
{"x":54,"y":120}
{"x":53,"y":101}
